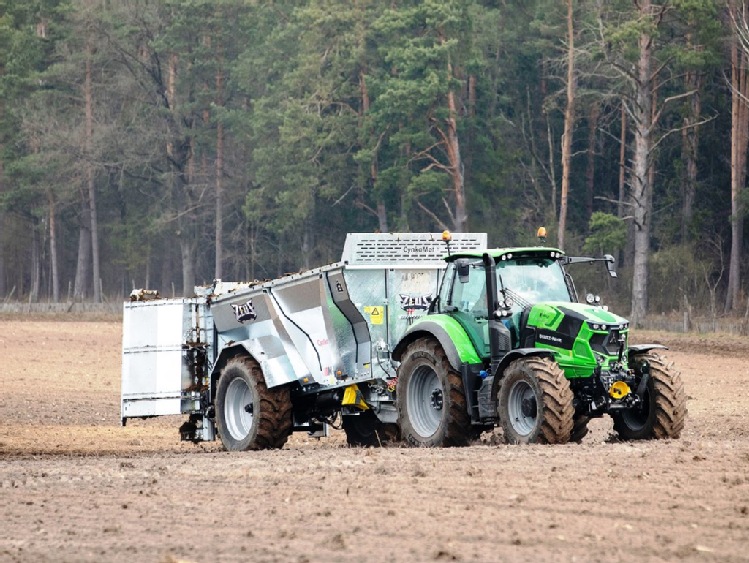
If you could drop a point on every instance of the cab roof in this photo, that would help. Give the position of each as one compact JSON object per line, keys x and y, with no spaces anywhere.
{"x":504,"y":253}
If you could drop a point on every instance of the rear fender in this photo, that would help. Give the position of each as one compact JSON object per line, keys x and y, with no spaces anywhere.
{"x":278,"y":368}
{"x":451,"y":336}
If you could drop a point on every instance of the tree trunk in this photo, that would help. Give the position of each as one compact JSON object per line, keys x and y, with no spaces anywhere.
{"x":693,"y":83}
{"x":3,"y":285}
{"x":622,"y":164}
{"x":53,"y":248}
{"x":590,"y":167}
{"x":88,"y":97}
{"x":739,"y":132}
{"x":179,"y":156}
{"x":690,"y":144}
{"x":218,"y":273}
{"x":306,"y":246}
{"x":83,"y":263}
{"x":641,"y":189}
{"x":455,"y":163}
{"x":36,"y":270}
{"x":187,"y":251}
{"x":382,"y":217}
{"x":569,"y":125}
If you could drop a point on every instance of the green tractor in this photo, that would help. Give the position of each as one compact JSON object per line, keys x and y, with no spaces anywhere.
{"x":507,"y":343}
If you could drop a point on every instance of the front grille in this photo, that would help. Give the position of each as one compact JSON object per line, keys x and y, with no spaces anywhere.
{"x":608,"y":343}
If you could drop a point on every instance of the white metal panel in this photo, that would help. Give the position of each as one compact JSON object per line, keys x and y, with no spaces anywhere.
{"x":406,"y":249}
{"x":152,"y":356}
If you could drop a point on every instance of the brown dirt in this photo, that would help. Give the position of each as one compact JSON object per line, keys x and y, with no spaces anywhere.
{"x":76,"y":486}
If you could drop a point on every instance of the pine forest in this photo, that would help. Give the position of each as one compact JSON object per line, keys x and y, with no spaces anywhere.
{"x":166,"y":143}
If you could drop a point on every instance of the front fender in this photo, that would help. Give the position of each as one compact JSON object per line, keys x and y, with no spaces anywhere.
{"x":516,"y":355}
{"x":640,"y":348}
{"x":451,"y":336}
{"x":513,"y":355}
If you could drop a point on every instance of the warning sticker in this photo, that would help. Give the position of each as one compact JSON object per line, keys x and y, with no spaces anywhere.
{"x":376,"y":314}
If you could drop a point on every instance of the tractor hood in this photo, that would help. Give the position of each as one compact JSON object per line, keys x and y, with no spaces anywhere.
{"x":554,"y":315}
{"x":583,"y":336}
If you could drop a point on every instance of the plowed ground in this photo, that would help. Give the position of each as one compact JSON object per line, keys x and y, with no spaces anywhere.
{"x":76,"y":486}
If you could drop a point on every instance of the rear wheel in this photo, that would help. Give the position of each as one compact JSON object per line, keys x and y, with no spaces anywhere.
{"x":430,"y":398}
{"x":535,"y":403}
{"x":250,"y":416}
{"x":664,"y":406}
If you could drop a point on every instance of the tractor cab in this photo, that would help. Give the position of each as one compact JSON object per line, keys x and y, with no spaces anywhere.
{"x":522,"y":277}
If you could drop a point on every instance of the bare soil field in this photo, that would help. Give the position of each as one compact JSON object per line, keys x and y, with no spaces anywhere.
{"x":76,"y":486}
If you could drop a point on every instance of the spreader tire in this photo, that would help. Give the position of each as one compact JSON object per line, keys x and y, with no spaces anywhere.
{"x":664,"y":406}
{"x":250,"y":416}
{"x":365,"y":430}
{"x":535,"y":403}
{"x":430,"y":398}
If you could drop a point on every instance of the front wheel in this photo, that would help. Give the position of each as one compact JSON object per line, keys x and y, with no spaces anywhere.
{"x":250,"y":416}
{"x":664,"y":407}
{"x":579,"y":428}
{"x":430,"y":398}
{"x":534,"y":403}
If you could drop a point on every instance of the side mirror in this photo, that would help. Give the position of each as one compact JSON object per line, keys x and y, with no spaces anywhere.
{"x":610,"y":264}
{"x":463,"y":271}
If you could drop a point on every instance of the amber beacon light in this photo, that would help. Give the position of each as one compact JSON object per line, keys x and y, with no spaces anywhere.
{"x":541,"y":234}
{"x":446,"y":238}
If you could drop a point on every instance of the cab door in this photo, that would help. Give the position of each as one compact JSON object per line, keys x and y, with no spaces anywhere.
{"x":466,"y":302}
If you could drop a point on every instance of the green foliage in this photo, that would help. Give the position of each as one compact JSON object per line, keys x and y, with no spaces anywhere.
{"x":679,"y":272}
{"x":608,"y":233}
{"x":333,"y":117}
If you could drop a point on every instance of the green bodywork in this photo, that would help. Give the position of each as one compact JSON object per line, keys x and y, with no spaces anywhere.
{"x":582,"y":337}
{"x":465,"y":345}
{"x":576,"y":357}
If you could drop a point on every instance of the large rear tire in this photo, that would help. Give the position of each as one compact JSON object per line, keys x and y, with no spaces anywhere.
{"x":250,"y":416}
{"x":430,"y":398}
{"x":534,"y":403}
{"x":664,"y":407}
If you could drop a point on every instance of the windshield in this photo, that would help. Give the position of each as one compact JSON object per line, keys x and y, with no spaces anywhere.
{"x":530,"y":280}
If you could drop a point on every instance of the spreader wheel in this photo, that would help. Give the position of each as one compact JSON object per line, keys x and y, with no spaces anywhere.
{"x":250,"y":416}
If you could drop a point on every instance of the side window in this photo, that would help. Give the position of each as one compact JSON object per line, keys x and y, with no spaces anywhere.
{"x":445,"y":290}
{"x":470,"y":297}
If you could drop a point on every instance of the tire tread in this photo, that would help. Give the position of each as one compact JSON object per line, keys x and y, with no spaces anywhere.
{"x":275,"y":422}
